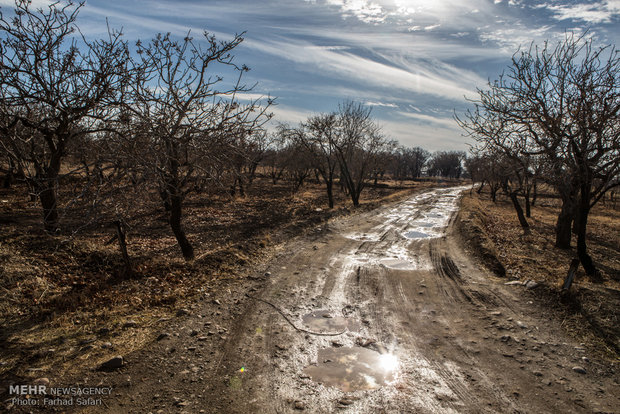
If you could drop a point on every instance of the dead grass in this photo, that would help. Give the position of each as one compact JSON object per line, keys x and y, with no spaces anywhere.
{"x":591,"y":303}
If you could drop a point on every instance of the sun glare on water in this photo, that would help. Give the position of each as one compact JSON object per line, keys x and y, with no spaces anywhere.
{"x":388,"y":362}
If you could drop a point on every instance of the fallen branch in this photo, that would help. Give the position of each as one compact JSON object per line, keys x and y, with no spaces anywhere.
{"x":291,"y":323}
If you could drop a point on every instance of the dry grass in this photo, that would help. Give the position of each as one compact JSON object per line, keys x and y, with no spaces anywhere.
{"x":592,"y":302}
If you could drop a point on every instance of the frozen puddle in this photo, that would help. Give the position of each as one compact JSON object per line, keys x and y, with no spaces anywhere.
{"x":324,"y":321}
{"x":352,"y":369}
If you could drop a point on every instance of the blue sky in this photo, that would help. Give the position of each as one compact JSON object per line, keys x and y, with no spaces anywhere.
{"x":412,"y":60}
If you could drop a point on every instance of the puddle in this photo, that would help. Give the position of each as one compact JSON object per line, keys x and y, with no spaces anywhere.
{"x":416,"y":235}
{"x":325,"y":321}
{"x":397,"y":264}
{"x":434,"y":215}
{"x":352,"y":369}
{"x":424,"y":224}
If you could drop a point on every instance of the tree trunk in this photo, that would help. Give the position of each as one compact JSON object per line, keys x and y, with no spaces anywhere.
{"x":515,"y":202}
{"x":176,"y":203}
{"x":241,"y":187}
{"x":528,"y":208}
{"x":47,"y":197}
{"x":582,"y":221}
{"x":122,"y":245}
{"x":563,"y":225}
{"x":9,"y":177}
{"x":494,"y":189}
{"x":330,"y":192}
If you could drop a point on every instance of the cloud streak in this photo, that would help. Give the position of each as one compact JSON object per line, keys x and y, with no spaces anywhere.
{"x":593,"y":13}
{"x":440,"y":80}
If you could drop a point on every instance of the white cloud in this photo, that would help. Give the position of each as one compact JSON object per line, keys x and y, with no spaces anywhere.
{"x":386,"y":105}
{"x":365,"y":11}
{"x":601,"y":12}
{"x":440,"y":80}
{"x":248,"y":96}
{"x":510,"y":38}
{"x":430,"y":137}
{"x":289,"y":115}
{"x":432,"y":120}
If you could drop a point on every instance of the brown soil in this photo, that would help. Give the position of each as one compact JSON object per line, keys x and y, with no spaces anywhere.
{"x":62,"y":297}
{"x":404,"y":286}
{"x":591,"y":309}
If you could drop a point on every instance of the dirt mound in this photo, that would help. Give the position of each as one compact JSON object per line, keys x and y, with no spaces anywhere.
{"x":471,"y":224}
{"x":590,"y":310}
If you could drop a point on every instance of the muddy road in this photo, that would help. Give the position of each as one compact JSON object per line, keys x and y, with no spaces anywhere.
{"x":384,"y":311}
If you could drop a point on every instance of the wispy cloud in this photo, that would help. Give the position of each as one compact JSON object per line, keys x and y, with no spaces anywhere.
{"x":34,"y":3}
{"x":416,"y":78}
{"x":393,"y":55}
{"x":383,"y":104}
{"x":600,"y":12}
{"x":289,"y":115}
{"x":431,"y":120}
{"x":247,"y":96}
{"x":432,"y":137}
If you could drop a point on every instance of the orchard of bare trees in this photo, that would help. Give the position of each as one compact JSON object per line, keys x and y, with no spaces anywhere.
{"x":86,"y":126}
{"x":94,"y":118}
{"x":552,"y":118}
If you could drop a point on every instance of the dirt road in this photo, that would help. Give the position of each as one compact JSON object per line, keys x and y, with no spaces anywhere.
{"x":418,"y":328}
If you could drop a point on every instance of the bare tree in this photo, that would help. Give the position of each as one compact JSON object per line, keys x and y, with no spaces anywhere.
{"x":299,"y":164}
{"x":415,"y":160}
{"x":184,"y":116}
{"x":55,"y":87}
{"x":275,"y":160}
{"x":357,"y":147}
{"x":447,"y":164}
{"x":562,"y":103}
{"x":318,"y":135}
{"x":247,"y":150}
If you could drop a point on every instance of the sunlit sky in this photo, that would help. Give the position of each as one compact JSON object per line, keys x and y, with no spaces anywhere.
{"x":414,"y":61}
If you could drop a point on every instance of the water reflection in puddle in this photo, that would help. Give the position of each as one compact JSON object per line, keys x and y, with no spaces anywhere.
{"x":416,"y":235}
{"x":352,"y":369}
{"x":397,"y":264}
{"x":325,"y":321}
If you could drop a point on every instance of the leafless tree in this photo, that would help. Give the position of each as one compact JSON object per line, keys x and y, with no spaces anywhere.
{"x":246,"y":152}
{"x":317,"y":135}
{"x":275,"y":161}
{"x":184,"y":116}
{"x":55,"y":87}
{"x":447,"y":164}
{"x":560,"y":102}
{"x":357,"y":146}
